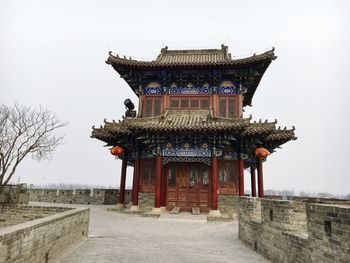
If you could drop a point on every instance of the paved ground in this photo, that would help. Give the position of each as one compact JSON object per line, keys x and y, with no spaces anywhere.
{"x":115,"y":237}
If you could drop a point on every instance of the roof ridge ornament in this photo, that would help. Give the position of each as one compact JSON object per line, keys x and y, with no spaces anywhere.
{"x":164,"y":50}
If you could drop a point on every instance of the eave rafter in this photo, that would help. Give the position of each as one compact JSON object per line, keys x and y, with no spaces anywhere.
{"x":154,"y":130}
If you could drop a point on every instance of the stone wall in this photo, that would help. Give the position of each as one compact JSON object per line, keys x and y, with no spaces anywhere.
{"x":329,"y":232}
{"x":14,"y":194}
{"x":44,"y":239}
{"x":293,"y":231}
{"x":146,"y":201}
{"x":17,"y":214}
{"x":228,"y":205}
{"x":78,"y":196}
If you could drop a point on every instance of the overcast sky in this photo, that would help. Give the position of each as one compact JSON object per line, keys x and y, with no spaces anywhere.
{"x":52,"y":53}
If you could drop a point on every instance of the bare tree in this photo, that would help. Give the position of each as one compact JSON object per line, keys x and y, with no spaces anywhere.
{"x":26,"y":132}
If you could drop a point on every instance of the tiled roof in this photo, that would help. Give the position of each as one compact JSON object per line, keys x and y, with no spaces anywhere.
{"x":281,"y":135}
{"x":193,"y":56}
{"x":192,"y":121}
{"x":185,"y":121}
{"x":200,"y":57}
{"x":259,"y":128}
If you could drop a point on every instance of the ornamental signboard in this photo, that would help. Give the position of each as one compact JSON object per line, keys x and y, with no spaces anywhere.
{"x":189,"y":90}
{"x":153,"y":91}
{"x":228,"y":90}
{"x":187,"y":152}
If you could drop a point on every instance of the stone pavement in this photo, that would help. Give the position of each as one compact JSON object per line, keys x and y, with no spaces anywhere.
{"x":115,"y":237}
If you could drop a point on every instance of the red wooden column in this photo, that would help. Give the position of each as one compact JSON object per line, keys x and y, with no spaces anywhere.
{"x":136,"y":183}
{"x":165,"y":171}
{"x":122,"y":183}
{"x":241,"y":177}
{"x":214,"y":182}
{"x":158,"y":182}
{"x":253,"y":180}
{"x":260,"y":180}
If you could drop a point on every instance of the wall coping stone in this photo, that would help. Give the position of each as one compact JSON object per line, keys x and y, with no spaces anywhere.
{"x":36,"y":223}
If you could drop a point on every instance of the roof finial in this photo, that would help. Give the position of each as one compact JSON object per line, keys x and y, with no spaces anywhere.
{"x":164,"y":49}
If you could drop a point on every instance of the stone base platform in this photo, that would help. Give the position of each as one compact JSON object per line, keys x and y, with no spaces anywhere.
{"x":165,"y":214}
{"x":222,"y":218}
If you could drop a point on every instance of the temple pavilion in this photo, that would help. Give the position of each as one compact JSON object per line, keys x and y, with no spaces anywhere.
{"x":189,"y":142}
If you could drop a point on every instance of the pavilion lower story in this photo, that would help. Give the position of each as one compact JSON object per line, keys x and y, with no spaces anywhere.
{"x":189,"y":183}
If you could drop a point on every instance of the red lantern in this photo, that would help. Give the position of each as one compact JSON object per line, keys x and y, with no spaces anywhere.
{"x":261,"y":153}
{"x":117,"y":151}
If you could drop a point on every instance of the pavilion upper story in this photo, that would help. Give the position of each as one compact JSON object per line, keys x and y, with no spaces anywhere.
{"x":204,"y":79}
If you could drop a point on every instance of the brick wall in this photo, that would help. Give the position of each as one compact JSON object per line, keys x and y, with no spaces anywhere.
{"x":228,"y":205}
{"x":329,"y":232}
{"x":14,"y":194}
{"x":78,"y":196}
{"x":146,"y":201}
{"x":42,"y":240}
{"x":292,"y":231}
{"x":17,"y":214}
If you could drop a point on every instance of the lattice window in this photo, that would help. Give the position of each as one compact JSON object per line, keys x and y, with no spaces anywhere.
{"x":231,"y":107}
{"x":184,"y":103}
{"x":172,"y":175}
{"x":194,"y":103}
{"x":227,"y":176}
{"x":148,"y":171}
{"x":174,"y":103}
{"x":227,"y":106}
{"x":153,"y":106}
{"x":204,"y":103}
{"x":156,"y":107}
{"x":189,"y":102}
{"x":148,"y":107}
{"x":222,"y":107}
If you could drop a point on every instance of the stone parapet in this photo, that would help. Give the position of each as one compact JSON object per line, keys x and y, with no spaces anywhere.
{"x":78,"y":196}
{"x":43,"y":239}
{"x":294,"y":231}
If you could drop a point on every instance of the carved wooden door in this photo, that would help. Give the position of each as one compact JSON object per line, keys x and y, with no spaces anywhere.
{"x":188,"y":186}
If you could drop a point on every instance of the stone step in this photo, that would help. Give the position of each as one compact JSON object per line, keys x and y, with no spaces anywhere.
{"x":175,"y":210}
{"x":195,"y":211}
{"x":150,"y":214}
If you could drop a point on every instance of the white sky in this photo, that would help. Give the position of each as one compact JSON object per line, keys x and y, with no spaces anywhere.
{"x":53,"y":52}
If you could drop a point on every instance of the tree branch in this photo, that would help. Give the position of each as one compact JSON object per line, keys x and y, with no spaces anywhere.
{"x":25,"y":131}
